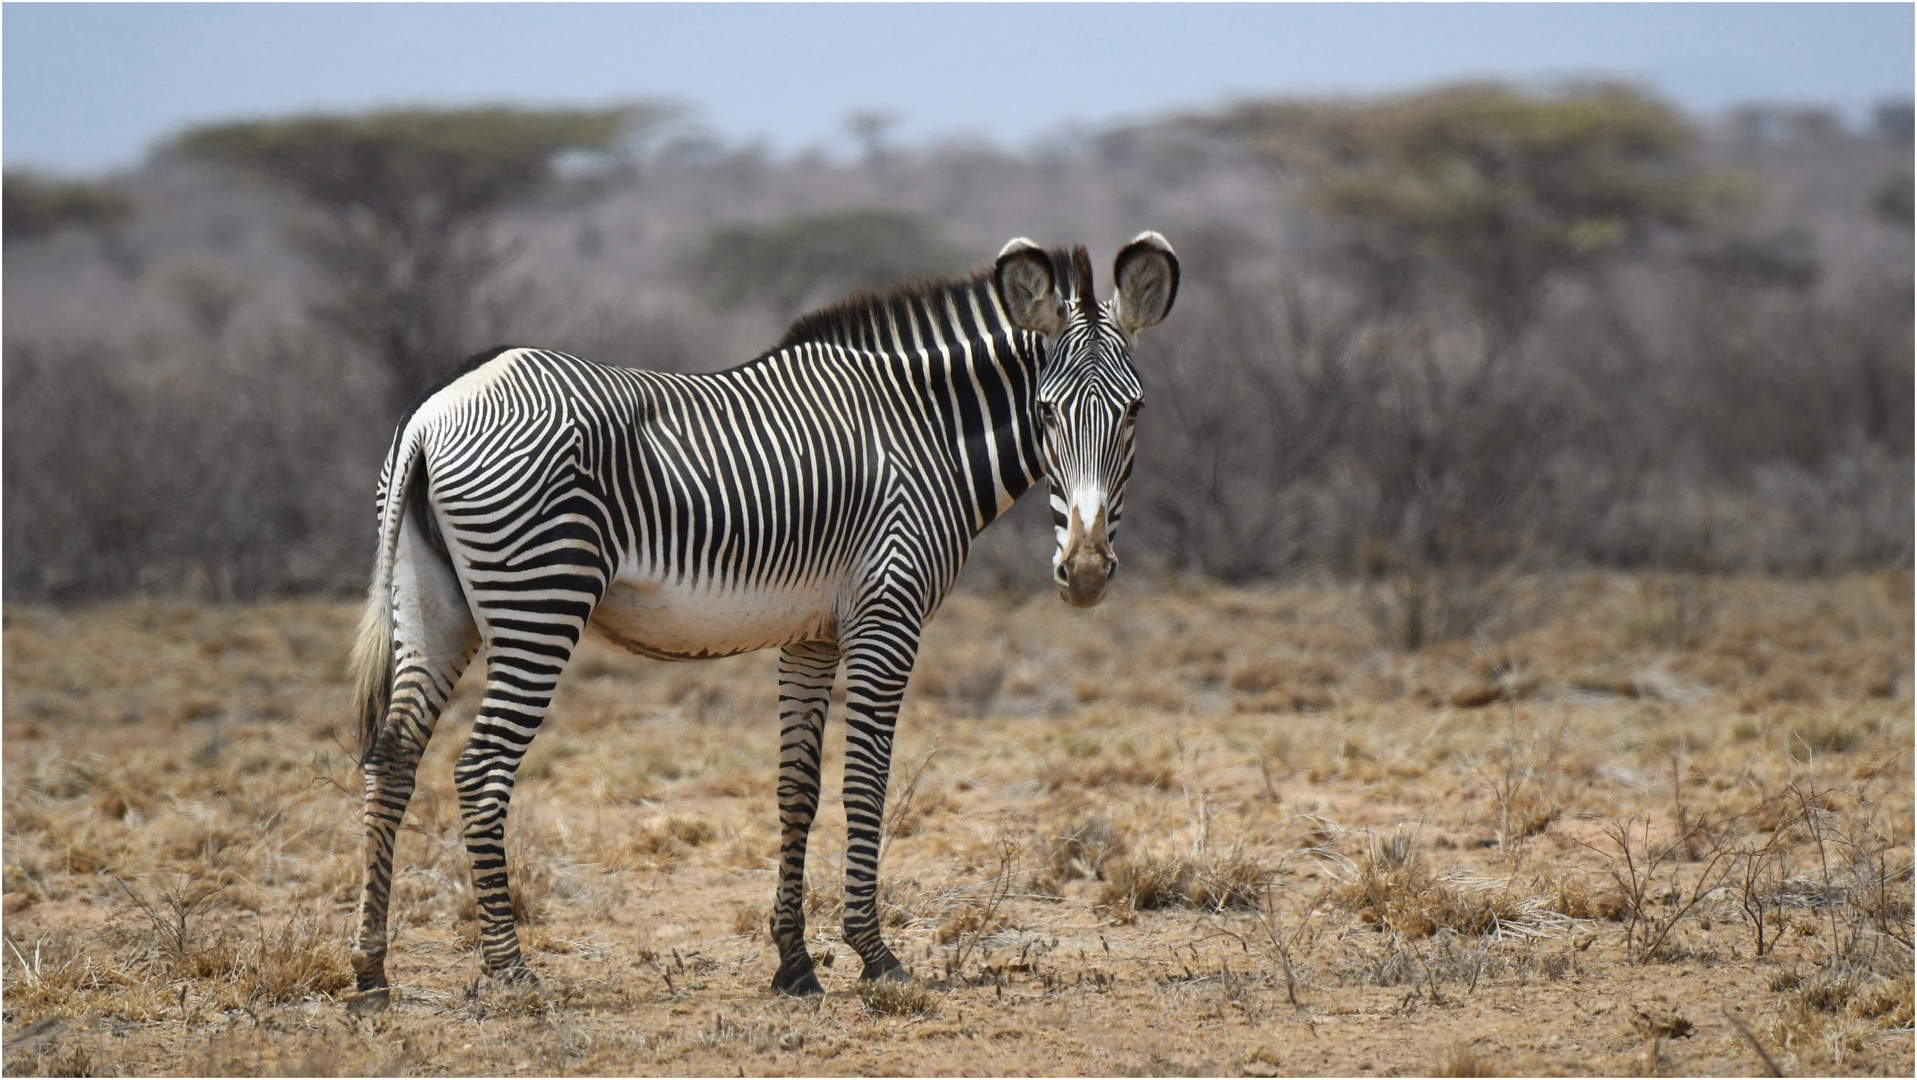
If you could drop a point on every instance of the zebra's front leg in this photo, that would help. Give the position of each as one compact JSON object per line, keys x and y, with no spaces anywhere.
{"x":805,"y":690}
{"x":878,"y":661}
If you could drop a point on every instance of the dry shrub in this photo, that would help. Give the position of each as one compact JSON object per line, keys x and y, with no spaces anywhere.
{"x":898,"y":997}
{"x":1211,"y":882}
{"x":288,"y":962}
{"x":1461,"y":1060}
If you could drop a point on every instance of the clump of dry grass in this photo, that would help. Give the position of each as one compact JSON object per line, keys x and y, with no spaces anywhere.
{"x":1842,"y":991}
{"x":898,"y":997}
{"x":136,"y":971}
{"x":1079,"y":852}
{"x":301,"y":958}
{"x":1461,"y":1060}
{"x":1392,"y":889}
{"x":1888,"y":1000}
{"x":1157,"y":769}
{"x":661,"y":842}
{"x":1573,"y":896}
{"x":63,"y":976}
{"x":971,"y":920}
{"x":1212,"y":882}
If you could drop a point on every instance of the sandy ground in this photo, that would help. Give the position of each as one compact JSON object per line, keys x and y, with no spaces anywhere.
{"x":1195,"y":831}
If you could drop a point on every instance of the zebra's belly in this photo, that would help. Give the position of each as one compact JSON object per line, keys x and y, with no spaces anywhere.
{"x":669,"y":621}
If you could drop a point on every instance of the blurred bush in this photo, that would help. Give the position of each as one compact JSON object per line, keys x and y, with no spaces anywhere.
{"x":36,"y":207}
{"x":812,"y":259}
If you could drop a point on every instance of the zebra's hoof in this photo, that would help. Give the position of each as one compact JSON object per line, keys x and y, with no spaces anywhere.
{"x":797,"y":980}
{"x":518,"y":976}
{"x":886,"y":967}
{"x":368,"y":1001}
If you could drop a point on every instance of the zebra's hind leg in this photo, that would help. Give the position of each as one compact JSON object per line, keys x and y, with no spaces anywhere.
{"x":521,"y":673}
{"x":805,"y":690}
{"x":878,"y":661}
{"x":433,"y":640}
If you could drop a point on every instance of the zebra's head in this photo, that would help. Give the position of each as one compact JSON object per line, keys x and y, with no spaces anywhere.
{"x":1088,"y":392}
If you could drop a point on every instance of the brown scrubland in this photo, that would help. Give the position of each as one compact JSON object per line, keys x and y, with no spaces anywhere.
{"x":1655,"y":824}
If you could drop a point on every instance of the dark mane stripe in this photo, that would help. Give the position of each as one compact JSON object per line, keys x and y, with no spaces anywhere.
{"x":850,"y":321}
{"x":854,"y":320}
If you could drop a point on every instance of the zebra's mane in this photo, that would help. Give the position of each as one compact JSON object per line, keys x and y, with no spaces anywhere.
{"x":848,"y":321}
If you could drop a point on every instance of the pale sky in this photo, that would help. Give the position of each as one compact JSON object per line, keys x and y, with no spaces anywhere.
{"x":91,"y":87}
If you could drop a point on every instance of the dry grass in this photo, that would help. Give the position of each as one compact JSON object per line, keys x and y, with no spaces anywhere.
{"x":1136,"y":848}
{"x":1462,"y":1060}
{"x":1409,"y":899}
{"x":898,"y":997}
{"x":1206,"y":882}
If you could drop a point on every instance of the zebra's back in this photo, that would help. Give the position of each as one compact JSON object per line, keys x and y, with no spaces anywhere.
{"x":711,"y":514}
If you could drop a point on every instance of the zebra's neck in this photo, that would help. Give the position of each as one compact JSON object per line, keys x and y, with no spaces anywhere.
{"x":971,"y":378}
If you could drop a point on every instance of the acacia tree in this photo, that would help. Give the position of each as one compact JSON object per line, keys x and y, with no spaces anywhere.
{"x":1501,"y":191}
{"x":1493,"y":195}
{"x":406,"y":202}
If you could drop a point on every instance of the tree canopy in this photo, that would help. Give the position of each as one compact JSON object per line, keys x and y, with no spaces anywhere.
{"x":409,"y":195}
{"x":455,"y":163}
{"x":1502,"y":188}
{"x":35,"y":207}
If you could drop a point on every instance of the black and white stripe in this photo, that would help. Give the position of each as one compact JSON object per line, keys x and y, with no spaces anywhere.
{"x":820,"y":499}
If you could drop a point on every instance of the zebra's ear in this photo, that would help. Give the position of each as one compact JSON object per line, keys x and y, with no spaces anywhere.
{"x":1147,"y":274}
{"x":1027,"y":285}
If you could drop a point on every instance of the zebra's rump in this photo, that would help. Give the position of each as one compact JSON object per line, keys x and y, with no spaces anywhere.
{"x":683,"y":621}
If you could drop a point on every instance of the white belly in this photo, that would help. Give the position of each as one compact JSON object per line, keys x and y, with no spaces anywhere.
{"x":674,"y":621}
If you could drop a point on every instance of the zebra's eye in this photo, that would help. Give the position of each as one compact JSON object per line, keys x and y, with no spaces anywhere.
{"x":1048,"y":413}
{"x":1132,"y":410}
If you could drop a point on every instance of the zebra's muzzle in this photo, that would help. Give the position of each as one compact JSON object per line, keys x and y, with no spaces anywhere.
{"x":1085,"y":566}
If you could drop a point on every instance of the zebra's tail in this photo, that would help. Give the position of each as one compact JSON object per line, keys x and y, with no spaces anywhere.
{"x":372,"y":662}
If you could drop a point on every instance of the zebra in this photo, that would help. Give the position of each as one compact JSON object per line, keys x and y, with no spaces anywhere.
{"x":819,"y":499}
